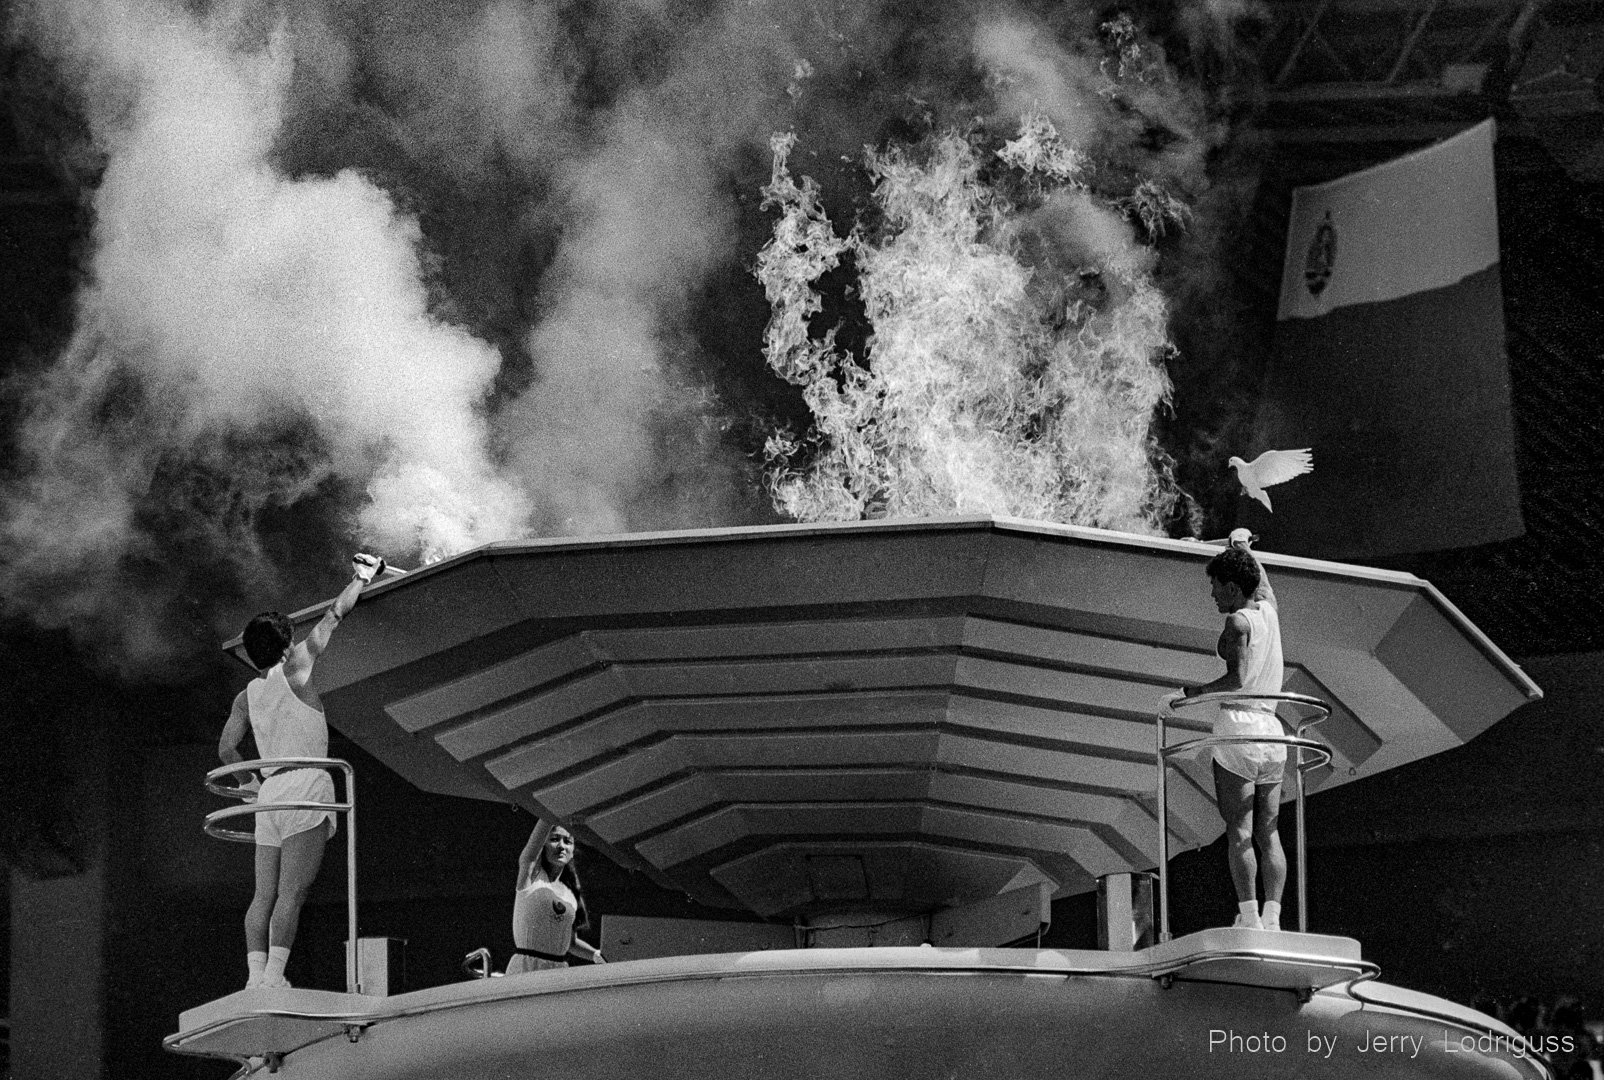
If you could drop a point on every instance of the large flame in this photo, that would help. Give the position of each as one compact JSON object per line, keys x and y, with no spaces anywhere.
{"x":987,"y":388}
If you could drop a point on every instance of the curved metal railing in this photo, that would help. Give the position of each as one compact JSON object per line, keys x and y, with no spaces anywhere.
{"x":214,"y":827}
{"x":1311,"y":755}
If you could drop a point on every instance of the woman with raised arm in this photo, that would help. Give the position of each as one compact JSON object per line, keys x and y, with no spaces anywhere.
{"x":549,"y":904}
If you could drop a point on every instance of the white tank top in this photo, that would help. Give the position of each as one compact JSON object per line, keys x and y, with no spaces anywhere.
{"x":543,"y":915}
{"x":1260,"y":661}
{"x":283,"y":724}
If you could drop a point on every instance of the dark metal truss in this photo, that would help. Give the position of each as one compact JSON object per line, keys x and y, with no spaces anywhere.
{"x":1347,"y":49}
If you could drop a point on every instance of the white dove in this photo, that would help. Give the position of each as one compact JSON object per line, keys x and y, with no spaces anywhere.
{"x":1270,"y":468}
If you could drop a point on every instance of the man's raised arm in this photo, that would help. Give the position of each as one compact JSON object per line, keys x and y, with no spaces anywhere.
{"x":305,"y":653}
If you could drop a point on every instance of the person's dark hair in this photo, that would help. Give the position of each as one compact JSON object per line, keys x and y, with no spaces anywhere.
{"x":1236,"y":567}
{"x":569,"y":876}
{"x":267,"y":636}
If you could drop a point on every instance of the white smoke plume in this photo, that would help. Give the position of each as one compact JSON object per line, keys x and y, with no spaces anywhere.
{"x":643,"y":227}
{"x":421,"y":274}
{"x":226,"y":295}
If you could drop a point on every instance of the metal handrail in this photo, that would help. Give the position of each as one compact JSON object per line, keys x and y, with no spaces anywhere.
{"x":213,"y":826}
{"x":1321,"y":755}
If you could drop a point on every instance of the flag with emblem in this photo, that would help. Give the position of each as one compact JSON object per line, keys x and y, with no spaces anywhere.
{"x":1389,"y":362}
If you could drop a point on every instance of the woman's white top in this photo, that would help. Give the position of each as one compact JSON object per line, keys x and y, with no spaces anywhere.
{"x":543,"y":915}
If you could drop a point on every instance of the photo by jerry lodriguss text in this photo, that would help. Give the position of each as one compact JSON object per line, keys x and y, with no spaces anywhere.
{"x":1230,"y":1041}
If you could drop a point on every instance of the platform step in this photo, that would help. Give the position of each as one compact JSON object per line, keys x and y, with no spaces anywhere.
{"x":1274,"y":959}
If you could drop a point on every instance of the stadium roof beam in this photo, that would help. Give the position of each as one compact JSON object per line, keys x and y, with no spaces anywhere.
{"x":1424,"y":59}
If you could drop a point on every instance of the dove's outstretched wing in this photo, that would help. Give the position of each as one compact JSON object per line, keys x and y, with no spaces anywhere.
{"x":1278,"y":466}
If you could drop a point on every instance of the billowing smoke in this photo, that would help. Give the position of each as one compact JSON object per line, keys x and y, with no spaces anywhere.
{"x":226,"y":299}
{"x":414,"y":276}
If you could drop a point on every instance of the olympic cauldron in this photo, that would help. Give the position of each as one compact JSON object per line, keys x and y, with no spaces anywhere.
{"x":892,"y":715}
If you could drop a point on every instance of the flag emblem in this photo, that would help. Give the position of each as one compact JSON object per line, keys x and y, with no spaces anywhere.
{"x":1322,"y":256}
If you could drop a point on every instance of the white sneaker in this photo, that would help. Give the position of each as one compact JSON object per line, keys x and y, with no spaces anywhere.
{"x":281,"y":983}
{"x":1245,"y":923}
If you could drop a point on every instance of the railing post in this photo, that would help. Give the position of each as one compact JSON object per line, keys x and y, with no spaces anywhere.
{"x":1163,"y":837}
{"x":353,"y":973}
{"x":214,"y":827}
{"x":1296,"y":742}
{"x":1303,"y":861}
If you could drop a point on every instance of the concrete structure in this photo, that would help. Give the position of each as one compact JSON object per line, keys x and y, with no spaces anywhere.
{"x":876,"y":716}
{"x":947,"y":717}
{"x":1212,"y":1005}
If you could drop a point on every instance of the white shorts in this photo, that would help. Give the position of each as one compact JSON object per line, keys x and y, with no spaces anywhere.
{"x":294,"y":785}
{"x":1262,"y":763}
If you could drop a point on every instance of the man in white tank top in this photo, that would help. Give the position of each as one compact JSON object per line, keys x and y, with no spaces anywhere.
{"x":282,"y":711}
{"x":1247,"y":776}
